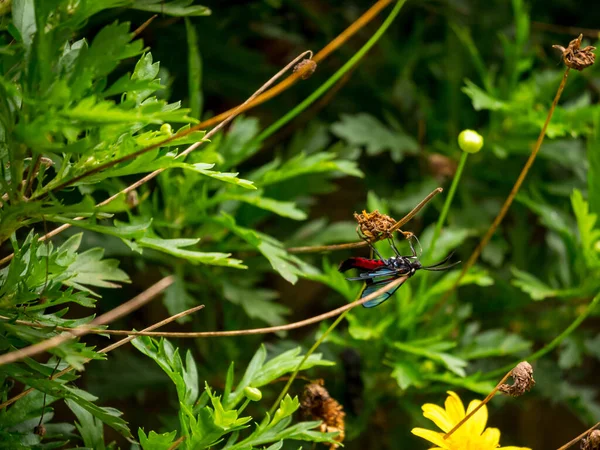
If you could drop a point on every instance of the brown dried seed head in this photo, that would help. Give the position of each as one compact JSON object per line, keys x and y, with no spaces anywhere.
{"x":575,"y":57}
{"x":374,"y":225}
{"x":317,"y":403}
{"x":523,"y":381}
{"x":592,"y":442}
{"x":306,"y":67}
{"x":40,"y":430}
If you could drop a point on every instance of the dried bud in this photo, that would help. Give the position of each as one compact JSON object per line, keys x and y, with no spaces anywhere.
{"x":306,"y":67}
{"x":592,"y":442}
{"x":40,"y":430}
{"x":523,"y":381}
{"x":132,"y":199}
{"x":373,"y":225}
{"x":317,"y":403}
{"x":575,"y":57}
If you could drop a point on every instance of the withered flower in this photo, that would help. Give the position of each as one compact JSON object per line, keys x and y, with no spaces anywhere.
{"x":306,"y":67}
{"x":318,"y":404}
{"x":523,"y":381}
{"x":592,"y":442}
{"x":575,"y":57}
{"x":40,"y":430}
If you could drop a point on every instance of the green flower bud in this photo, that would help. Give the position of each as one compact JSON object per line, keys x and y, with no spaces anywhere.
{"x":165,"y":128}
{"x":252,"y":394}
{"x":470,"y":141}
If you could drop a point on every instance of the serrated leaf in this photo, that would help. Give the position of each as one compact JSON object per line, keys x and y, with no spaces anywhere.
{"x":480,"y":99}
{"x":284,"y":209}
{"x":226,"y":177}
{"x":175,"y":247}
{"x":155,"y":441}
{"x":365,"y":130}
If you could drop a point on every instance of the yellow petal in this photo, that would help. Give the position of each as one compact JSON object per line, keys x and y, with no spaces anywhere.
{"x":454,"y":408}
{"x":476,"y":424}
{"x":438,"y":415}
{"x":431,"y":436}
{"x":491,"y":438}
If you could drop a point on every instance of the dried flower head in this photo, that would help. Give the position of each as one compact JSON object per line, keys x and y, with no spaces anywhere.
{"x":374,"y":225}
{"x":575,"y":57}
{"x":317,"y":403}
{"x":592,"y":442}
{"x":40,"y":430}
{"x":306,"y":67}
{"x":523,"y":381}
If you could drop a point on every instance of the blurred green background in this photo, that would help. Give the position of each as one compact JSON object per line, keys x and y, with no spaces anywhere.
{"x":442,"y":66}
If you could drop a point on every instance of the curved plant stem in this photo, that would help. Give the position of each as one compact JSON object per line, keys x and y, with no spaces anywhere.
{"x":106,"y":318}
{"x":333,"y":79}
{"x":369,"y":15}
{"x":107,"y":349}
{"x":511,"y":196}
{"x":578,"y":438}
{"x":478,"y":407}
{"x":443,"y":215}
{"x":316,"y":345}
{"x":397,"y":225}
{"x":556,"y":341}
{"x":289,"y":326}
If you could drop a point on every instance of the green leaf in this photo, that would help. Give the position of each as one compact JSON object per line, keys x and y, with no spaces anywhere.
{"x":452,"y":363}
{"x":194,"y":70}
{"x":302,"y":165}
{"x":407,"y":374}
{"x":185,"y":377}
{"x":288,"y":266}
{"x":90,"y":428}
{"x":177,"y":8}
{"x":221,"y":176}
{"x":285,"y":363}
{"x":89,"y":269}
{"x":531,"y":285}
{"x":175,"y":247}
{"x":155,"y":441}
{"x":588,"y":234}
{"x":480,"y":99}
{"x":257,"y":303}
{"x":365,"y":130}
{"x":23,"y":15}
{"x":284,"y":209}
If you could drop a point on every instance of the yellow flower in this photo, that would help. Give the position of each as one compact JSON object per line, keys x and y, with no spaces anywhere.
{"x":472,"y":435}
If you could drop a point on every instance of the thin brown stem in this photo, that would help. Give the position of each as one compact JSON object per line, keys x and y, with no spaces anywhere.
{"x":182,"y":133}
{"x":350,"y":245}
{"x":120,"y":311}
{"x":359,"y":23}
{"x":478,"y":407}
{"x":107,"y":349}
{"x":157,"y":172}
{"x":511,"y":196}
{"x":595,"y":34}
{"x":177,"y":443}
{"x":289,"y":326}
{"x":143,"y":26}
{"x":578,"y":438}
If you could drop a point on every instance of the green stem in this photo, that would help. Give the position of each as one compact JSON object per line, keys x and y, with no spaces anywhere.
{"x":286,"y":388}
{"x":443,"y":215}
{"x":333,"y":79}
{"x":555,"y":342}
